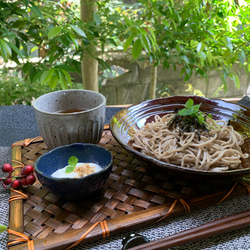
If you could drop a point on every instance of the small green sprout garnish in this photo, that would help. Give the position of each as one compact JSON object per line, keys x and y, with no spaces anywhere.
{"x":72,"y":163}
{"x":193,"y":111}
{"x":191,"y":118}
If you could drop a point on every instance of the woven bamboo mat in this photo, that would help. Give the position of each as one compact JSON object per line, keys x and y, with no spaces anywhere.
{"x":135,"y":195}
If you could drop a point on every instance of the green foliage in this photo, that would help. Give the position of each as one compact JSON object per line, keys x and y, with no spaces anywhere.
{"x":54,"y":30}
{"x":14,"y":89}
{"x":200,"y":35}
{"x":48,"y":28}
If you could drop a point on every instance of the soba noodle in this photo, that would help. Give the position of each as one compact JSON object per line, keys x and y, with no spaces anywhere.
{"x":216,"y":150}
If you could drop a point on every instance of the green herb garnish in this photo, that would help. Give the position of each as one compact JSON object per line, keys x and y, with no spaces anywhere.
{"x":191,"y":118}
{"x":194,"y":111}
{"x":72,"y":163}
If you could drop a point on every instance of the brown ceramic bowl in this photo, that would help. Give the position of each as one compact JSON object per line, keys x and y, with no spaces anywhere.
{"x":124,"y":123}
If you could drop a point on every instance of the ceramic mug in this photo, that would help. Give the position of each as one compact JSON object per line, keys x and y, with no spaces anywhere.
{"x":70,"y":116}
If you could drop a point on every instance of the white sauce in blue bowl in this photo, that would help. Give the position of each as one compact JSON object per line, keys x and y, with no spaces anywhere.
{"x":81,"y":169}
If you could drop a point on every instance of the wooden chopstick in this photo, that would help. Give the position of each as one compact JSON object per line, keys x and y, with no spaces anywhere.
{"x":220,"y":226}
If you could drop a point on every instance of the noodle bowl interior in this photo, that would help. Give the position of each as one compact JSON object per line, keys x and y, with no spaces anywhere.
{"x":214,"y":150}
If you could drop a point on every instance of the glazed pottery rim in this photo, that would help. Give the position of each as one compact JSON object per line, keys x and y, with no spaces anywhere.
{"x":103,"y":103}
{"x":48,"y":176}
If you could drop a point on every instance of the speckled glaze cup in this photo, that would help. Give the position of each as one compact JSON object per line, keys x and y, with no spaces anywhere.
{"x":82,"y":121}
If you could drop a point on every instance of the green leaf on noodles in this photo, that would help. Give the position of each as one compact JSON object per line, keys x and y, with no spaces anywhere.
{"x":194,"y":111}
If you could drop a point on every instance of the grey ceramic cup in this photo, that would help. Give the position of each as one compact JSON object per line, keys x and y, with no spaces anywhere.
{"x":59,"y":128}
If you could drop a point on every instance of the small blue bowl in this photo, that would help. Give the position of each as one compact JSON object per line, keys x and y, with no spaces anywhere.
{"x":77,"y":188}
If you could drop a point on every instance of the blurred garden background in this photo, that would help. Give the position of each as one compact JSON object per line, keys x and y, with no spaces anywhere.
{"x":128,"y":50}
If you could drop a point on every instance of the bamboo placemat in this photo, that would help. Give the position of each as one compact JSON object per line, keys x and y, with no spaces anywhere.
{"x":135,"y":195}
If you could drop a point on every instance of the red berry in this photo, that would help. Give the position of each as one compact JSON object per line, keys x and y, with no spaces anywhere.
{"x":7,"y":181}
{"x":16,"y":184}
{"x":6,"y":168}
{"x":27,"y":170}
{"x":30,"y":179}
{"x":24,"y":181}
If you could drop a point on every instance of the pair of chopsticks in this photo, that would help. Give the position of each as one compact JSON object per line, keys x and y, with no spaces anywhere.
{"x":220,"y":226}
